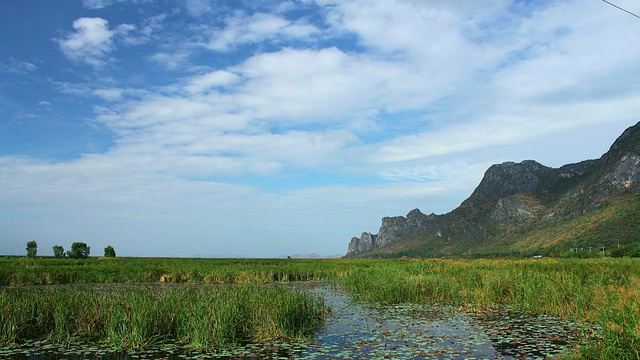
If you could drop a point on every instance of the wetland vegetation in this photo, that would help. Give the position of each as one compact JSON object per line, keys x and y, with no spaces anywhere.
{"x":216,"y":304}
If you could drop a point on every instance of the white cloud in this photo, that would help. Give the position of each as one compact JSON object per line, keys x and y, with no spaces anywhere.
{"x":240,"y":30}
{"x":170,"y":61}
{"x":91,"y":42}
{"x":213,"y":79}
{"x":423,"y":59}
{"x":227,"y":117}
{"x":129,"y":35}
{"x":308,"y":86}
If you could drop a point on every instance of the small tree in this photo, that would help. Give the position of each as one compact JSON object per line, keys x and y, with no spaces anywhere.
{"x":79,"y":250}
{"x":109,"y":251}
{"x":32,"y":249}
{"x":58,"y":252}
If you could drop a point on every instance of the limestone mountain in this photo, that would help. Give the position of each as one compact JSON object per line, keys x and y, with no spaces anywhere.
{"x":527,"y":208}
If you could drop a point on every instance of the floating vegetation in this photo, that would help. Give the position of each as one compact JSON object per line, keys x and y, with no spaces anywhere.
{"x":521,"y":334}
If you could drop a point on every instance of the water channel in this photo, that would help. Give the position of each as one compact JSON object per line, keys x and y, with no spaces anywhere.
{"x":360,"y":330}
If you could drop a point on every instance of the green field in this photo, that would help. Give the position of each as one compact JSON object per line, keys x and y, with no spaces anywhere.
{"x":135,"y":307}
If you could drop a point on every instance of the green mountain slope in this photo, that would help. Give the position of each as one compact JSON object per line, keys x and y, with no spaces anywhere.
{"x":527,"y":208}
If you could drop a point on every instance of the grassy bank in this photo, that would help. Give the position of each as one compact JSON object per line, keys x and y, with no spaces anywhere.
{"x":203,"y":317}
{"x":606,"y":291}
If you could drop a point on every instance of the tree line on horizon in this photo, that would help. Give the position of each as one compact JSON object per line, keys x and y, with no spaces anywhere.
{"x":79,"y":250}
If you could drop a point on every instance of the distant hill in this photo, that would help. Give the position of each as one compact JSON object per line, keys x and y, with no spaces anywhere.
{"x":527,"y":208}
{"x":314,"y":256}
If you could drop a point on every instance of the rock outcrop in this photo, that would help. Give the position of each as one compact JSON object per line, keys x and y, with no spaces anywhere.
{"x":365,"y":243}
{"x":512,"y":208}
{"x":509,"y":178}
{"x":392,"y":229}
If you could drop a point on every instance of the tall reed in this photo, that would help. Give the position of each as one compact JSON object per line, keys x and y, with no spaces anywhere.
{"x":204,"y":318}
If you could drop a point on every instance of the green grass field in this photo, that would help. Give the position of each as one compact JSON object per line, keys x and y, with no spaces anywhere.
{"x":606,"y":291}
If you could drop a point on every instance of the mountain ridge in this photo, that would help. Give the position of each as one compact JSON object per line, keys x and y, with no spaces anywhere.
{"x":524,"y":208}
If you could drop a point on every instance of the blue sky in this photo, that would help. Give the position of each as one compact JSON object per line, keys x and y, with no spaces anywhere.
{"x":273,"y":128}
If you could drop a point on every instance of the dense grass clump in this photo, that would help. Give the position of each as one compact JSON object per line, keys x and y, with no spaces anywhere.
{"x":204,"y":317}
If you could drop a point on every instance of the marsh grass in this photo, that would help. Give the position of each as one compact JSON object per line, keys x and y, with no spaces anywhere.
{"x":204,"y":318}
{"x":49,"y":271}
{"x":606,"y":291}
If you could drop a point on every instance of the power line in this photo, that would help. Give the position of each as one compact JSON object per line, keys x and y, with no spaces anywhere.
{"x":618,"y":7}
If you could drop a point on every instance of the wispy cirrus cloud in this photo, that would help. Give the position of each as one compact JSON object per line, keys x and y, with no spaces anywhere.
{"x":17,"y":67}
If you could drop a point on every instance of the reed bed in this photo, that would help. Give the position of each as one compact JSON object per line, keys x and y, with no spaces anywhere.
{"x":203,"y":318}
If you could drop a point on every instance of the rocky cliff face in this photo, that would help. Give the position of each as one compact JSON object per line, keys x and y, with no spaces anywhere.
{"x":365,"y":243}
{"x":513,"y":208}
{"x":512,"y":195}
{"x":509,"y":178}
{"x":392,"y":229}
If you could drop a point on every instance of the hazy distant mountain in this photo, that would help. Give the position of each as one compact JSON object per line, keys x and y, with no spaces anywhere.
{"x":315,"y":256}
{"x":527,"y":208}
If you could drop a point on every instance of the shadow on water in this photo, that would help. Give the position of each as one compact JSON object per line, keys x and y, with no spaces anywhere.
{"x":356,"y":330}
